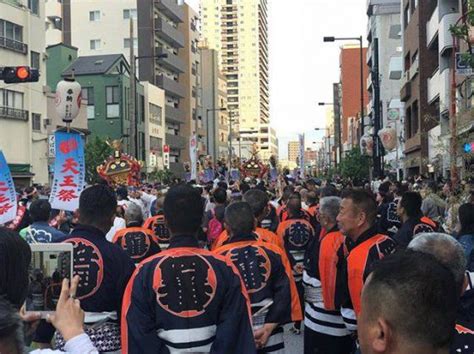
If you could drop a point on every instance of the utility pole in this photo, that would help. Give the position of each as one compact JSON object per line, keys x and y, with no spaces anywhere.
{"x":378,"y":149}
{"x":133,"y":95}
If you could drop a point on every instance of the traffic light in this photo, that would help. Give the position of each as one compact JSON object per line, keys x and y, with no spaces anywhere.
{"x":18,"y":74}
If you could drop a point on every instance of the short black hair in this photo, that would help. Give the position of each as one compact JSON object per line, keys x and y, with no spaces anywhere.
{"x":220,"y":195}
{"x":40,"y":210}
{"x":97,"y":205}
{"x":312,"y":197}
{"x":328,"y":191}
{"x":294,"y":203}
{"x":416,"y":294}
{"x":364,"y":201}
{"x":183,"y":209}
{"x":11,"y":327}
{"x":411,"y":202}
{"x":258,"y":201}
{"x":222,"y":185}
{"x":239,"y":218}
{"x":15,"y":258}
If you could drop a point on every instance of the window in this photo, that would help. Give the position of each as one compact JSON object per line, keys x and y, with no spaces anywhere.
{"x":141,"y":107}
{"x":113,"y":96}
{"x":33,"y":6}
{"x":94,"y":44}
{"x":11,"y":30}
{"x":88,"y":94}
{"x":127,"y":13}
{"x":11,"y":99}
{"x":406,"y":16}
{"x":36,"y":121}
{"x":155,"y":114}
{"x":126,"y":42}
{"x":414,"y":119}
{"x":156,"y":146}
{"x":94,"y":15}
{"x":34,"y":60}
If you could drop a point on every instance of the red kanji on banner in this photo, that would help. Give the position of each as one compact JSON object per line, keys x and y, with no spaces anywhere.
{"x":68,"y":181}
{"x":66,"y":195}
{"x":70,"y":165}
{"x":3,"y":199}
{"x":5,"y":208}
{"x":2,"y":188}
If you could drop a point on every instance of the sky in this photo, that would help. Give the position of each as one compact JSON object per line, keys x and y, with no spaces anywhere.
{"x":302,"y":67}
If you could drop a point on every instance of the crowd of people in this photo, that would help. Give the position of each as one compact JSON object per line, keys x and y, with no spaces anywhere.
{"x":226,"y":267}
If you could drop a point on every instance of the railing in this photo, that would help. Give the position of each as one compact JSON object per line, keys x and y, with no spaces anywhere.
{"x":13,"y":113}
{"x":11,"y":44}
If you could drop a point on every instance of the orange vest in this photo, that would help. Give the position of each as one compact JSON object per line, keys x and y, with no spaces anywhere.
{"x":356,"y":267}
{"x":263,"y":235}
{"x":426,"y":220}
{"x":120,"y":240}
{"x":328,"y":260}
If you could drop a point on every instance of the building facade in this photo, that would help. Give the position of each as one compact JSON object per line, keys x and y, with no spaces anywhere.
{"x":23,"y":107}
{"x":384,"y":26}
{"x":419,"y":64}
{"x":238,"y":30}
{"x":214,"y":104}
{"x":350,"y":94}
{"x":293,"y":150}
{"x":158,"y":32}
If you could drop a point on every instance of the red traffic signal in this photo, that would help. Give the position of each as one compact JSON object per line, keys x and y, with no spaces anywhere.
{"x":18,"y":74}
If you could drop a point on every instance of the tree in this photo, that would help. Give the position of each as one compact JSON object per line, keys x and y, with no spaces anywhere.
{"x":163,"y":176}
{"x":354,"y":165}
{"x":97,"y":151}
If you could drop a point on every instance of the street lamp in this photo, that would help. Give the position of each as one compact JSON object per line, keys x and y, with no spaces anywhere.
{"x":325,"y":104}
{"x":334,"y":39}
{"x":222,"y":109}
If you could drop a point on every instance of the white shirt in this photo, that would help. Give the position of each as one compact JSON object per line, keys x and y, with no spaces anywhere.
{"x":80,"y":344}
{"x":119,"y":224}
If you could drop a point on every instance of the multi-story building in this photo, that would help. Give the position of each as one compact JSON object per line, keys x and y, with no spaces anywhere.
{"x":23,"y":107}
{"x":95,"y":27}
{"x":214,"y":104}
{"x":439,"y":43}
{"x":293,"y":150}
{"x":350,"y":94}
{"x":238,"y":30}
{"x":384,"y":26}
{"x":158,"y":34}
{"x":191,"y":79}
{"x":420,"y":63}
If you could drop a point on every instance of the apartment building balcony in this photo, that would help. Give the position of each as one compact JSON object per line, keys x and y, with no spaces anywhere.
{"x":176,"y":141}
{"x":172,"y":62}
{"x":395,"y":68}
{"x":432,"y":28}
{"x":445,"y":90}
{"x":445,"y":38}
{"x":405,"y":92}
{"x":175,"y":115}
{"x":13,"y":45}
{"x":13,"y":114}
{"x":171,"y":87}
{"x":169,"y":33}
{"x":171,"y":9}
{"x":433,"y":86}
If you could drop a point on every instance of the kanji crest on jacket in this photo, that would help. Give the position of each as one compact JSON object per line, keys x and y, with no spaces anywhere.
{"x":120,"y":168}
{"x":254,"y":167}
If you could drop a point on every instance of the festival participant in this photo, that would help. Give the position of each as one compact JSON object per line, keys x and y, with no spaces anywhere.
{"x":258,"y":201}
{"x":103,"y":267}
{"x":213,"y":223}
{"x":186,"y":299}
{"x":433,"y":206}
{"x":40,"y":231}
{"x":365,"y":247}
{"x":397,"y":315}
{"x":313,"y":203}
{"x":122,"y":197}
{"x":466,"y":233}
{"x":297,"y":234}
{"x":325,"y":331}
{"x":389,"y":223}
{"x":413,"y":221}
{"x":267,"y":276}
{"x":448,"y":251}
{"x":157,"y":224}
{"x":137,"y":241}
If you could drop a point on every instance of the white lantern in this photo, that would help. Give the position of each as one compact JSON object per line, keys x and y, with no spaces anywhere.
{"x":367,"y":145}
{"x":68,"y":99}
{"x":388,"y":136}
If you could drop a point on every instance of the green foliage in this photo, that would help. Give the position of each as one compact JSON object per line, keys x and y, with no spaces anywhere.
{"x":354,"y":165}
{"x":97,"y":150}
{"x":163,"y":176}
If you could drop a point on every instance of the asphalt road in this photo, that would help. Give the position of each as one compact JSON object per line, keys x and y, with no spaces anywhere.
{"x":293,"y":343}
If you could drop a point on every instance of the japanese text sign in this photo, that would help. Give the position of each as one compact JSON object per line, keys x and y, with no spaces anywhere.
{"x":8,"y":204}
